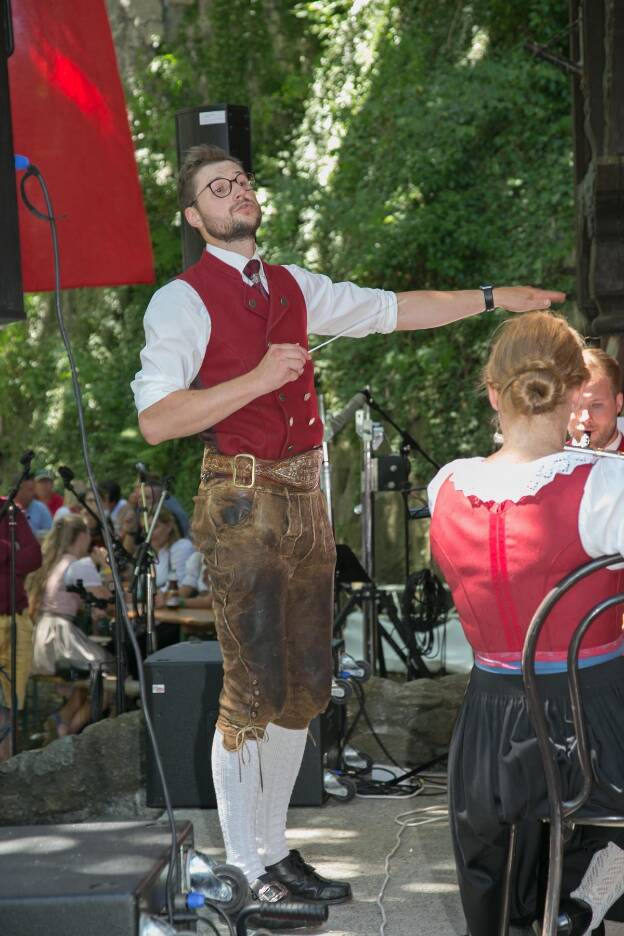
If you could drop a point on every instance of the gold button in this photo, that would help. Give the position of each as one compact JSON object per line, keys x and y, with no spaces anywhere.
{"x":283,"y":301}
{"x":311,"y":421}
{"x":252,"y":303}
{"x":307,"y":396}
{"x":289,"y":448}
{"x":282,"y":397}
{"x":291,"y":421}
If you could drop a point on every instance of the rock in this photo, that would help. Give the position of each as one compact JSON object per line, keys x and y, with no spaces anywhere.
{"x":414,"y":720}
{"x":98,"y":774}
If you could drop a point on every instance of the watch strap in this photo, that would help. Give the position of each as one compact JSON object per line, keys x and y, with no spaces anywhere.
{"x":488,"y":294}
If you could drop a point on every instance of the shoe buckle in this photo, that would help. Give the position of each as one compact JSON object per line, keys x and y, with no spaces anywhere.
{"x":241,"y":484}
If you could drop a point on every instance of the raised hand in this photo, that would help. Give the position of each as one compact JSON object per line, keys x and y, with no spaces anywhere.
{"x":525,"y":298}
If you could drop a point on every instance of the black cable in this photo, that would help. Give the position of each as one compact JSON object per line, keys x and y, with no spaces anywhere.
{"x":221,"y":913}
{"x":50,"y":218}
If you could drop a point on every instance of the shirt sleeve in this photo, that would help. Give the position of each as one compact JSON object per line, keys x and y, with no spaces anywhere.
{"x":333,"y":307}
{"x":178,"y":556}
{"x":177,"y":331}
{"x":85,"y":570}
{"x":601,"y":514}
{"x":433,"y":488}
{"x":192,"y":571}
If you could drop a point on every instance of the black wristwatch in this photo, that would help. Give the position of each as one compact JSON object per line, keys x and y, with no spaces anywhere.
{"x":488,"y":294}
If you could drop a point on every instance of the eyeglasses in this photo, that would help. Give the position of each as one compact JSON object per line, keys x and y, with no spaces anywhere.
{"x":222,"y":187}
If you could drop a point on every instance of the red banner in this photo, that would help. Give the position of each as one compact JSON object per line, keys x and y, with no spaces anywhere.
{"x":69,"y":118}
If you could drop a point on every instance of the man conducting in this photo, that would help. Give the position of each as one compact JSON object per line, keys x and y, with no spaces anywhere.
{"x":600,"y":403}
{"x":226,"y":356}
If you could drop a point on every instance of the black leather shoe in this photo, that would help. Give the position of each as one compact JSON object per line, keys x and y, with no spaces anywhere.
{"x":267,"y":890}
{"x":304,"y":883}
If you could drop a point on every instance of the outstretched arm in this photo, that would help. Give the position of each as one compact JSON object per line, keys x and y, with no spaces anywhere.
{"x":428,"y":309}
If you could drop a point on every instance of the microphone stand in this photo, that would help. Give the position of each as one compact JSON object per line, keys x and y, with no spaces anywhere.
{"x":8,"y":509}
{"x":408,"y":444}
{"x":144,"y":572}
{"x":123,"y":559}
{"x":326,"y":466}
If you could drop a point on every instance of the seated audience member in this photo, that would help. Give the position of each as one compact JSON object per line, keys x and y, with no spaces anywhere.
{"x":113,"y":502}
{"x":195,"y":588}
{"x":37,"y":514}
{"x":173,"y":550}
{"x":58,"y":642}
{"x":27,"y":559}
{"x":153,"y":490}
{"x":72,"y":504}
{"x":506,"y":529}
{"x":44,"y":491}
{"x":600,"y":403}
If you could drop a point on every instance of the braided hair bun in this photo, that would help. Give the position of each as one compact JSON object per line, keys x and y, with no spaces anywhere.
{"x":535,"y":360}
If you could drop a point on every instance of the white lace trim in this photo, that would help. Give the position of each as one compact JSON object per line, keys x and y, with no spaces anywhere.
{"x":499,"y":481}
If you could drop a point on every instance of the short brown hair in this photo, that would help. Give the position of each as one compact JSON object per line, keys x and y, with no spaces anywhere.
{"x":535,"y":359}
{"x":598,"y":360}
{"x":195,"y":158}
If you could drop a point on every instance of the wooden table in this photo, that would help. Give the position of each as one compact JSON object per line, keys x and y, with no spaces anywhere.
{"x":196,"y":622}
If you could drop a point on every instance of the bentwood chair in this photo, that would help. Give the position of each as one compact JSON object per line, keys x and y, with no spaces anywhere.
{"x":563,"y":814}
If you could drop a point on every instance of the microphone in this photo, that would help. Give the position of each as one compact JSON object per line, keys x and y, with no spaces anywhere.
{"x":26,"y":458}
{"x":334,"y":424}
{"x":66,"y":474}
{"x":141,"y":470}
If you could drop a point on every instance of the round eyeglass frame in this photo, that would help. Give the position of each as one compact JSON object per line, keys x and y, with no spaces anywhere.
{"x":247,"y":184}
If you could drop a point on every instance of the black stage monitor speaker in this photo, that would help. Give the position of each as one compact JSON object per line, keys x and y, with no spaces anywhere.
{"x":11,"y":295}
{"x":183,"y":686}
{"x":92,"y":878}
{"x":224,"y":125}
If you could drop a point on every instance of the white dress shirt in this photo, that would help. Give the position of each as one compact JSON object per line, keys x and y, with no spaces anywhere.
{"x":177,"y":323}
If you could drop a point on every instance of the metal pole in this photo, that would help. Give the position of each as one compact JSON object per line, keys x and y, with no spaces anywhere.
{"x":364,"y":427}
{"x":326,"y":466}
{"x":12,"y":602}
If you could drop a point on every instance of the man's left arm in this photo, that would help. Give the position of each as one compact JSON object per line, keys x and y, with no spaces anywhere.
{"x":429,"y":309}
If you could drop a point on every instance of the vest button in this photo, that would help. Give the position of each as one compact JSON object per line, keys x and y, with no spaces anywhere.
{"x":252,"y":303}
{"x":307,"y":396}
{"x":291,"y":421}
{"x":289,"y":448}
{"x":312,"y":421}
{"x":283,"y":301}
{"x":281,"y":397}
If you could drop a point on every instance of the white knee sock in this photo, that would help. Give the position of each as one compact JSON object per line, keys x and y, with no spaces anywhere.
{"x":236,"y":778}
{"x":282,"y":753}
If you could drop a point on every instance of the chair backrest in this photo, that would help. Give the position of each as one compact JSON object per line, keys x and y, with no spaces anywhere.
{"x":558,"y":808}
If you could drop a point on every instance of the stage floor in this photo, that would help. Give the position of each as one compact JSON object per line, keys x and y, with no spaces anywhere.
{"x":351,"y":841}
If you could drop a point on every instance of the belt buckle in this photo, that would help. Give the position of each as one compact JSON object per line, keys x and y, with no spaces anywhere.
{"x":240,"y":484}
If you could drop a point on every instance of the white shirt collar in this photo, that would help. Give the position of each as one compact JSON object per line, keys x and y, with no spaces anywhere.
{"x":614,"y":446}
{"x":234,"y":259}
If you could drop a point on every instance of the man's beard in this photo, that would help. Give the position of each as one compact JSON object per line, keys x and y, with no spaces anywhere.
{"x":234,"y":229}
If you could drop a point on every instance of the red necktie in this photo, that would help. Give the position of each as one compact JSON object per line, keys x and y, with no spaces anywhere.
{"x":252,"y":272}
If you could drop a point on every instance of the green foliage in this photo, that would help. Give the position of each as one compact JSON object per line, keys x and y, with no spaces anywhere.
{"x":408,"y":144}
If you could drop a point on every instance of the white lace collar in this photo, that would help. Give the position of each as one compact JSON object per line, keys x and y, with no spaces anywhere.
{"x":500,"y":481}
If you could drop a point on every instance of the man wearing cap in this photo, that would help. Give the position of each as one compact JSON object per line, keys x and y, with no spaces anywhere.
{"x":37,"y":514}
{"x":226,"y":356}
{"x":45,"y":492}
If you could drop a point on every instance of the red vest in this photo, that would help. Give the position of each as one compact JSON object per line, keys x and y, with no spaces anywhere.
{"x":243,"y":324}
{"x":500,"y":560}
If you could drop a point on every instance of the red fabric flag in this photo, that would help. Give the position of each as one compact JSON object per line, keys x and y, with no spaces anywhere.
{"x":69,"y":118}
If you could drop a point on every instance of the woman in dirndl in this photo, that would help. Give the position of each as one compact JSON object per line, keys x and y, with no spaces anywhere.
{"x":506,"y":529}
{"x":59,"y":644}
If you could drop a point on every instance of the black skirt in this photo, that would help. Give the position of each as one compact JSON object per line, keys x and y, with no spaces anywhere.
{"x":496,"y":778}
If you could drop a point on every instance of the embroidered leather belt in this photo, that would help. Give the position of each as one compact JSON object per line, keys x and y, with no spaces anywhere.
{"x":299,"y":473}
